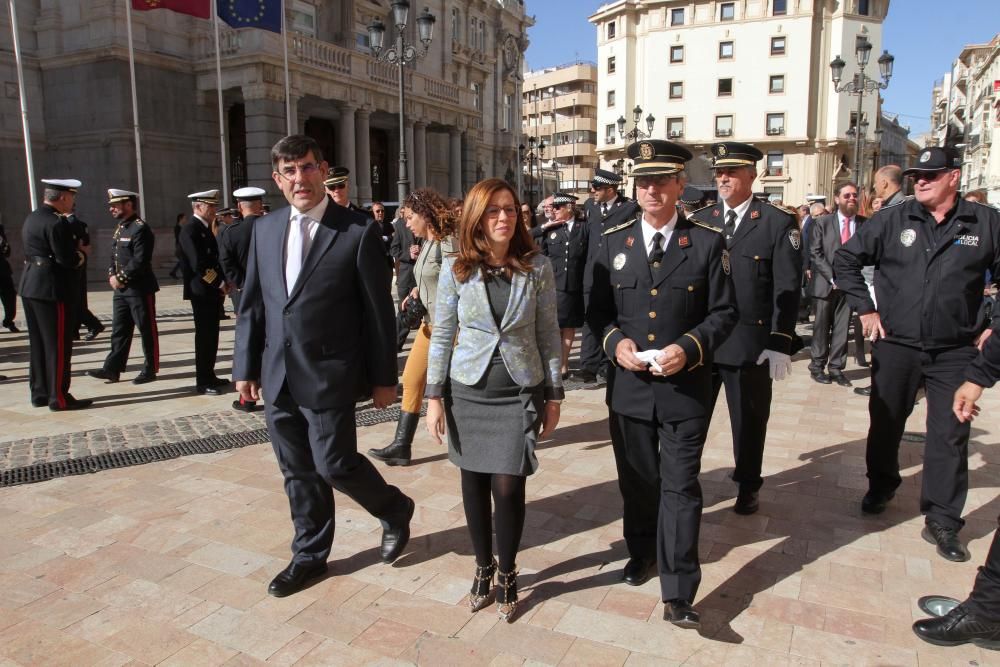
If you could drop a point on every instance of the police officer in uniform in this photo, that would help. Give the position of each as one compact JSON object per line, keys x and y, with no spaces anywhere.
{"x":8,"y":296}
{"x":130,"y":275}
{"x":48,"y":293}
{"x":933,"y":252}
{"x":663,"y":302}
{"x":565,"y":243}
{"x":81,"y":311}
{"x":204,"y":287}
{"x":234,"y":248}
{"x":765,"y":251}
{"x":338,"y":186}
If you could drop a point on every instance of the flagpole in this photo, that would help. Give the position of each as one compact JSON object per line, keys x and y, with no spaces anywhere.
{"x":135,"y":110}
{"x":288,"y":95}
{"x":222,"y":123}
{"x":24,"y":108}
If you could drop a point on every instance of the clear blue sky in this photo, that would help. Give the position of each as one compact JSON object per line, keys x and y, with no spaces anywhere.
{"x":924,"y":35}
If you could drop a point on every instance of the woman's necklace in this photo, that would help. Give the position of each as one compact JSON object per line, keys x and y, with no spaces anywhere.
{"x":494,"y":271}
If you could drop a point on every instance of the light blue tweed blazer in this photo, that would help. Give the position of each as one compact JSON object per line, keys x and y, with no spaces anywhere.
{"x":528,"y":334}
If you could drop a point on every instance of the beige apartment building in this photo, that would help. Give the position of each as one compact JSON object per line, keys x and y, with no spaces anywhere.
{"x":559,"y":107}
{"x":756,"y":71}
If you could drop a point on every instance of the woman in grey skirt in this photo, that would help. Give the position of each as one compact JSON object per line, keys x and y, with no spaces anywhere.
{"x":499,"y":384}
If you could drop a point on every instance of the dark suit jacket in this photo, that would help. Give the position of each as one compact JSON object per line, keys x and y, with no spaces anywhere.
{"x":199,"y":255}
{"x":824,"y":241}
{"x":402,"y":239}
{"x":334,"y":335}
{"x":234,"y":244}
{"x":52,"y":261}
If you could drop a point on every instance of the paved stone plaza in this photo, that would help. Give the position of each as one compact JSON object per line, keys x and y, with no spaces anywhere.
{"x":168,"y":562}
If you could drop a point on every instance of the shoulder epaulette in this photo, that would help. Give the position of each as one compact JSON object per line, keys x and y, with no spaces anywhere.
{"x":140,"y":221}
{"x":618,"y":227}
{"x":705,"y":225}
{"x":781,"y":208}
{"x":699,"y":210}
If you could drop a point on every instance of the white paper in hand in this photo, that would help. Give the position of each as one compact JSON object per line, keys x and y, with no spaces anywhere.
{"x":649,"y":357}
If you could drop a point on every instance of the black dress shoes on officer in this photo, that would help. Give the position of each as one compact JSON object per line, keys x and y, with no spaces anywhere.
{"x":211,"y":390}
{"x":72,"y":404}
{"x":636,"y":571}
{"x":218,"y":382}
{"x":394,"y":538}
{"x":863,"y":391}
{"x":39,"y":402}
{"x":295,"y":578}
{"x":144,"y":378}
{"x":747,"y":502}
{"x":681,"y":614}
{"x":94,"y":333}
{"x":861,"y":361}
{"x":841,"y":379}
{"x":946,"y":539}
{"x":821,"y":377}
{"x":11,"y":327}
{"x":875,"y":503}
{"x":102,"y":374}
{"x":959,"y":626}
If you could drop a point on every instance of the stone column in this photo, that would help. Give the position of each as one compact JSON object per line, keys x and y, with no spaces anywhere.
{"x":420,"y":155}
{"x":265,"y":125}
{"x":455,"y":162}
{"x":363,"y":154}
{"x":345,"y":140}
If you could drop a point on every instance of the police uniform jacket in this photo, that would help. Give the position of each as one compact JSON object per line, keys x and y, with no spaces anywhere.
{"x":5,"y":269}
{"x":766,"y":258}
{"x":930,"y":281}
{"x":620,"y":210}
{"x":51,"y":257}
{"x":132,"y":258}
{"x":567,"y":250}
{"x":985,"y":368}
{"x":689,"y":301}
{"x":234,"y":246}
{"x":199,"y":255}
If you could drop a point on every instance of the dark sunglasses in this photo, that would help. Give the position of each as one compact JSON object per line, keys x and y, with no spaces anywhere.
{"x":926,"y":175}
{"x":337,"y":186}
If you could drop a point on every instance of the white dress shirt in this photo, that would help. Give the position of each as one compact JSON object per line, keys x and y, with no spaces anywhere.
{"x":302,"y":227}
{"x":741,"y":210}
{"x":648,"y":231}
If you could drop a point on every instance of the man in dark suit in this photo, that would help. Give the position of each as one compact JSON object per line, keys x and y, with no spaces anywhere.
{"x":8,"y":295}
{"x":130,"y":275}
{"x":662,"y":301}
{"x":81,"y":311}
{"x":404,"y":250}
{"x":765,"y":250}
{"x":826,"y":235}
{"x":49,"y":286}
{"x":204,"y":287}
{"x":313,"y":261}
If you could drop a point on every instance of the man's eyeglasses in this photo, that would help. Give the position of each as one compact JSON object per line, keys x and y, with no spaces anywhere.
{"x":307,"y":170}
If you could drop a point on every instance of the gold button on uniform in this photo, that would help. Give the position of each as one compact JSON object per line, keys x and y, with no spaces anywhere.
{"x":757,"y":257}
{"x":653,"y":292}
{"x":652,"y":314}
{"x":690,"y":288}
{"x":650,"y":338}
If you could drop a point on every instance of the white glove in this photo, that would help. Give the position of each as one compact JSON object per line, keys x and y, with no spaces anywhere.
{"x":649,"y":356}
{"x":780,"y":365}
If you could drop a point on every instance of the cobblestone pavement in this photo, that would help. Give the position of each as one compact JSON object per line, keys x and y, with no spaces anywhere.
{"x":167,"y":563}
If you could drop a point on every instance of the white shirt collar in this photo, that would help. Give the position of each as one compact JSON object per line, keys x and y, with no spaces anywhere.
{"x":648,"y":231}
{"x":203,"y":221}
{"x":315,"y":213}
{"x":741,"y":210}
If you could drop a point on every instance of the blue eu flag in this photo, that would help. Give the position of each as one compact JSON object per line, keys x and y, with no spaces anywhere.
{"x":264,"y":14}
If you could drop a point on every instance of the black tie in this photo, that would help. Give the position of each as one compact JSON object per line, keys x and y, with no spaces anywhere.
{"x":656,"y":256}
{"x":604,"y":210}
{"x":730,"y":226}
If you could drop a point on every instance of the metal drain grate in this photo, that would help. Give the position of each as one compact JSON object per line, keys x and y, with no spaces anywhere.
{"x":124,"y":458}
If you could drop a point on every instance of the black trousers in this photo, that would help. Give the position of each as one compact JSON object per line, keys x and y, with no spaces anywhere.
{"x":402,"y":331}
{"x":51,"y":350}
{"x":984,"y":600}
{"x":662,"y":461}
{"x":859,"y":336}
{"x":748,"y":394}
{"x":317,"y":451}
{"x":206,"y":337}
{"x":8,"y":296}
{"x":592,"y":357}
{"x":129,"y":312}
{"x":897,"y":371}
{"x":83,"y":316}
{"x":829,"y":339}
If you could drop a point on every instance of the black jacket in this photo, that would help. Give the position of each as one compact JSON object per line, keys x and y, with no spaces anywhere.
{"x":621,"y":210}
{"x":985,"y":368}
{"x":402,"y":239}
{"x":5,"y":269}
{"x":234,"y":245}
{"x":929,"y":288}
{"x":132,"y":257}
{"x":690,"y":303}
{"x":51,"y":259}
{"x":766,"y":258}
{"x":199,"y":255}
{"x":567,"y":251}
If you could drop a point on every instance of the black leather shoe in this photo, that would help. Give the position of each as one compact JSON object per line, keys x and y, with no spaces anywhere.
{"x":861,"y":361}
{"x":244,"y":407}
{"x":144,"y":378}
{"x":394,"y":538}
{"x":681,"y":614}
{"x":11,"y":327}
{"x":94,"y":333}
{"x":218,"y":382}
{"x":841,"y":379}
{"x":863,"y":391}
{"x":205,"y":389}
{"x":821,"y":377}
{"x":295,"y":578}
{"x":747,"y":502}
{"x":39,"y":402}
{"x":636,"y":571}
{"x":586,"y":376}
{"x":102,"y":374}
{"x":957,"y":627}
{"x":875,"y":503}
{"x":72,"y":404}
{"x":946,"y":539}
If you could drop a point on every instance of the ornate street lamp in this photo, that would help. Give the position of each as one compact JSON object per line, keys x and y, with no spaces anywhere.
{"x":400,"y":54}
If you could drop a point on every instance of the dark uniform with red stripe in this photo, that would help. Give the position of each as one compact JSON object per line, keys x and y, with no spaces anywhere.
{"x":134,"y":303}
{"x":48,"y":291}
{"x":203,"y":281}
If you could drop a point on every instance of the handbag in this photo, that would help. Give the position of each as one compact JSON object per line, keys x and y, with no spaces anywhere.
{"x":412,"y":313}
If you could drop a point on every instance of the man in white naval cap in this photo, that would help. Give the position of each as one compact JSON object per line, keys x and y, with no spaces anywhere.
{"x":234,"y":246}
{"x":130,"y":274}
{"x":204,"y":287}
{"x":48,"y":289}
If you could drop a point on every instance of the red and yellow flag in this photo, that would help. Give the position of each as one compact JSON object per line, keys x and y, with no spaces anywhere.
{"x":200,"y":8}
